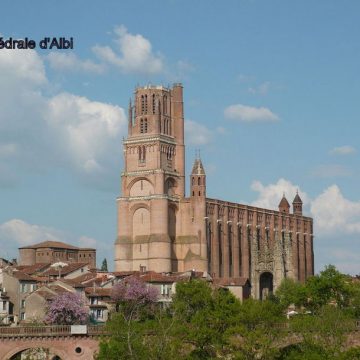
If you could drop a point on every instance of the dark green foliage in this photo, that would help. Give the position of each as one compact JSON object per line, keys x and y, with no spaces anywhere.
{"x":329,"y":286}
{"x":104,"y":266}
{"x":291,"y":292}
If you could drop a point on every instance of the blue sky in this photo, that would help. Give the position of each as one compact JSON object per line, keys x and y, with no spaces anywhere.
{"x":271,"y":98}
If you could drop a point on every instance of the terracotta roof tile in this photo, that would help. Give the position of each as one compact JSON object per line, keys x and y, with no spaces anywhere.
{"x":91,"y":291}
{"x":65,"y":270}
{"x":22,"y":276}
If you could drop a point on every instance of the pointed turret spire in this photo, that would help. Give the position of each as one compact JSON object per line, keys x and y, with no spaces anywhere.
{"x":198,"y":178}
{"x":297,"y":204}
{"x":198,"y":168}
{"x":284,"y":205}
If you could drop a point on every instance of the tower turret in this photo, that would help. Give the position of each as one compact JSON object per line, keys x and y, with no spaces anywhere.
{"x":284,"y":205}
{"x":297,"y":205}
{"x":198,"y":179}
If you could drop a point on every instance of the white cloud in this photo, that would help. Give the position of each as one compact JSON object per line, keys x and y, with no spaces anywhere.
{"x":24,"y":234}
{"x":87,"y":242}
{"x":261,"y":89}
{"x":133,"y":53}
{"x":39,"y":132}
{"x":334,"y":213}
{"x":343,"y":150}
{"x":70,"y":62}
{"x":250,"y":114}
{"x":87,"y":130}
{"x":270,"y":195}
{"x":196,"y":133}
{"x":23,"y":65}
{"x":330,"y":170}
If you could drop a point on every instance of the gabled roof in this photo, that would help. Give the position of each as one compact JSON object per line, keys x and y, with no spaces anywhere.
{"x":65,"y":270}
{"x":22,"y":276}
{"x":32,"y":269}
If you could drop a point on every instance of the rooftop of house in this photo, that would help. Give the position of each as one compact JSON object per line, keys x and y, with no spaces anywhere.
{"x":54,"y":245}
{"x":65,"y":270}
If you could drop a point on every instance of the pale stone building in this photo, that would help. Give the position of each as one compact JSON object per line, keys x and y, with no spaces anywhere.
{"x":162,"y":230}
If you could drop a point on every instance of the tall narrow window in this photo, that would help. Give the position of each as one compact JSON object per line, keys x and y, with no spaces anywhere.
{"x":141,"y":126}
{"x":305,"y":257}
{"x":298,"y":255}
{"x":165,"y":104}
{"x":199,"y":180}
{"x":140,"y":153}
{"x":169,"y":126}
{"x":230,"y":237}
{"x":142,"y":104}
{"x":153,"y":104}
{"x":146,"y":104}
{"x":145,"y":126}
{"x":144,"y":153}
{"x":209,"y":241}
{"x":249,"y":247}
{"x":240,"y":249}
{"x":220,"y":250}
{"x":192,"y":181}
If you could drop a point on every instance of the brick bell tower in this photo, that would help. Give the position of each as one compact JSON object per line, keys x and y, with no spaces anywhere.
{"x":153,"y":180}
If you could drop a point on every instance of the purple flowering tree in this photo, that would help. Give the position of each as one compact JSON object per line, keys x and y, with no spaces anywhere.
{"x":133,"y":299}
{"x":67,"y":309}
{"x":134,"y":291}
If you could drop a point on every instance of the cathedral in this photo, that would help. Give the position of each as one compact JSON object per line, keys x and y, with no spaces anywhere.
{"x":162,"y":230}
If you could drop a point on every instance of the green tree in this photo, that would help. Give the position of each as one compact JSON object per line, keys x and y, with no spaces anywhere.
{"x":329,"y":286}
{"x":326,"y":330}
{"x":291,"y":292}
{"x":205,"y":318}
{"x":259,"y":332}
{"x":104,"y":266}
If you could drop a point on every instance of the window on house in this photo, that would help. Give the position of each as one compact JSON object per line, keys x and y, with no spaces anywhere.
{"x":22,"y":316}
{"x":93,"y":301}
{"x":23,"y":288}
{"x":4,"y":305}
{"x":22,"y":304}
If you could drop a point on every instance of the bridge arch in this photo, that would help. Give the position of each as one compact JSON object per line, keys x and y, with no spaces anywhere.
{"x":57,"y":354}
{"x":65,"y":348}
